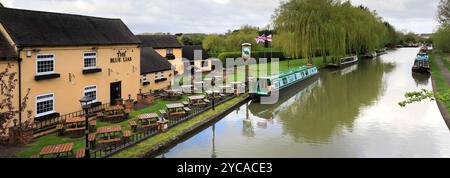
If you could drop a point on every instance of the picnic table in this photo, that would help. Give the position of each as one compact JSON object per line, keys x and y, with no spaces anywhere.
{"x":197,"y":100}
{"x":175,"y":110}
{"x":225,"y":88}
{"x":109,"y":134}
{"x":75,"y":124}
{"x":148,"y":120}
{"x":114,"y":113}
{"x":213,"y":93}
{"x":172,"y":94}
{"x":57,"y":150}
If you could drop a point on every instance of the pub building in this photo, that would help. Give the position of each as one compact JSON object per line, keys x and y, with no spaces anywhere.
{"x":156,"y":71}
{"x":61,"y":58}
{"x":168,"y":47}
{"x":198,"y":58}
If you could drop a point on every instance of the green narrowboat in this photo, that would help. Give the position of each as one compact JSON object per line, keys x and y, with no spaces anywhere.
{"x":264,"y":86}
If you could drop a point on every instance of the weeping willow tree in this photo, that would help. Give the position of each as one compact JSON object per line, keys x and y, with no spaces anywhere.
{"x":307,"y":28}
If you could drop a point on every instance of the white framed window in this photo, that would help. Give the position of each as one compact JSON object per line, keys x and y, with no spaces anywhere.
{"x":91,"y":92}
{"x":45,"y":104}
{"x":162,"y":74}
{"x":144,"y":79}
{"x":90,"y":60}
{"x":169,"y":51}
{"x":45,"y":64}
{"x":156,"y":76}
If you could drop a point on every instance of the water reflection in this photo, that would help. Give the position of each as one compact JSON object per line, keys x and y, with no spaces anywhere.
{"x":330,"y":104}
{"x":421,"y":79}
{"x":351,"y":113}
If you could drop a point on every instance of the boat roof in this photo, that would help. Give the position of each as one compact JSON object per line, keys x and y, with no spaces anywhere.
{"x":291,"y":71}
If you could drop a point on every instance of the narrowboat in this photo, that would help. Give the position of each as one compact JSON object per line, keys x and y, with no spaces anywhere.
{"x":299,"y":93}
{"x":344,"y":62}
{"x":421,"y":64}
{"x":266,"y":85}
{"x":370,"y":55}
{"x":380,"y":52}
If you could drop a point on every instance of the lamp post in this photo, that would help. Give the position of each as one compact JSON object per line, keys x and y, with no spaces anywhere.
{"x":85,"y":105}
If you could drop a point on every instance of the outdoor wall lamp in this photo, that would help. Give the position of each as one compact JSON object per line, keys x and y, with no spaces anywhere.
{"x":29,"y":53}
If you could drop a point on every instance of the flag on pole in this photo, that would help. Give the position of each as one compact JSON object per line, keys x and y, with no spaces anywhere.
{"x":269,"y":38}
{"x":261,"y":39}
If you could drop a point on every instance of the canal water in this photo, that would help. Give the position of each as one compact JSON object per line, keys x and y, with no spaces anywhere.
{"x":352,"y":112}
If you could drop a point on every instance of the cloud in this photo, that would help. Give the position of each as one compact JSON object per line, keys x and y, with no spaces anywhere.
{"x":218,"y":16}
{"x":412,"y":15}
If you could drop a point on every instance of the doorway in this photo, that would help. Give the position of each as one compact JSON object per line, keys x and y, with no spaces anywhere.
{"x":115,"y":92}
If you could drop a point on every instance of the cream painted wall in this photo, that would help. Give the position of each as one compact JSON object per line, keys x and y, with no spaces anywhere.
{"x":68,"y":89}
{"x":157,"y":86}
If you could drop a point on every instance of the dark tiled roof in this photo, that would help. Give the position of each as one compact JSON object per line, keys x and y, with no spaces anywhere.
{"x":159,"y":41}
{"x":152,"y":62}
{"x":33,"y":28}
{"x":188,"y":52}
{"x":6,"y":50}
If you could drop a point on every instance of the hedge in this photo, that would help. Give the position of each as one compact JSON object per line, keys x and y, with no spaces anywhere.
{"x":257,"y":55}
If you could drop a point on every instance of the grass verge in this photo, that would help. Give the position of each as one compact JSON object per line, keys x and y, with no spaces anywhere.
{"x":79,"y":143}
{"x":442,"y":87}
{"x":143,"y":147}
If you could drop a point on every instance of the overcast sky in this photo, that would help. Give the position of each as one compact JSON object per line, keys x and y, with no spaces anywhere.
{"x":217,"y":16}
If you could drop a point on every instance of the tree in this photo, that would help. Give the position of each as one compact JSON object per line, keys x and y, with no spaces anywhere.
{"x":8,"y":111}
{"x":213,"y":43}
{"x":327,"y":27}
{"x":444,"y":11}
{"x":191,"y":39}
{"x":442,"y":37}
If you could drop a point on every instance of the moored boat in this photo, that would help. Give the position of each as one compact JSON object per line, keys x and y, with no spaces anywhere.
{"x":382,"y":51}
{"x":422,"y":63}
{"x":344,"y":62}
{"x":265,"y":86}
{"x":370,"y":55}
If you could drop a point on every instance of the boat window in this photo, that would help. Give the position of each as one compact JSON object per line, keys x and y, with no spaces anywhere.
{"x":285,"y":81}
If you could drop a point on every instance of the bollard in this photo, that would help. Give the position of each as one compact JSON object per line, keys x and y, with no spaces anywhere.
{"x":163,"y":125}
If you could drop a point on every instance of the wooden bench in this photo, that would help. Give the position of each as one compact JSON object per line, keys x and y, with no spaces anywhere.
{"x":113,"y":140}
{"x":100,"y":115}
{"x":80,"y":153}
{"x":92,"y":126}
{"x":133,"y":125}
{"x":60,"y":129}
{"x":146,"y":126}
{"x":187,"y":109}
{"x":75,"y":129}
{"x":177,"y":114}
{"x":115,"y":118}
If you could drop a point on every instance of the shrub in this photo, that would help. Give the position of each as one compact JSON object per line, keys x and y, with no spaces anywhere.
{"x":256,"y":54}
